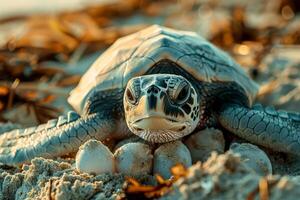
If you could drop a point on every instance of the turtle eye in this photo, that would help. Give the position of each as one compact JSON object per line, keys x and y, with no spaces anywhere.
{"x":130,"y":96}
{"x":182,"y":94}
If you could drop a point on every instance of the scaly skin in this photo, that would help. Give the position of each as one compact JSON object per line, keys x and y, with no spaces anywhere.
{"x":277,"y":130}
{"x":64,"y":135}
{"x":22,"y":145}
{"x":229,"y":107}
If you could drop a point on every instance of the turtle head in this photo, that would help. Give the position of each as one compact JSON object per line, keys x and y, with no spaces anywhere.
{"x":161,"y":107}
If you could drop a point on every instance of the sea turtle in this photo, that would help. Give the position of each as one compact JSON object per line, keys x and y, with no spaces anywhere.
{"x":161,"y":85}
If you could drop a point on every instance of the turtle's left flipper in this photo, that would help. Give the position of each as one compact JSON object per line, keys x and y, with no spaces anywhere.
{"x":278,"y":130}
{"x":58,"y":137}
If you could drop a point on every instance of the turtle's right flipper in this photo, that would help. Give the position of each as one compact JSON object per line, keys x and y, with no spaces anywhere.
{"x":278,"y":130}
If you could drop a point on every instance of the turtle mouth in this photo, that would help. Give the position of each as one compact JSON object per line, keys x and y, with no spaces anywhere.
{"x":158,"y":117}
{"x":157,"y":123}
{"x":161,"y":136}
{"x":159,"y":128}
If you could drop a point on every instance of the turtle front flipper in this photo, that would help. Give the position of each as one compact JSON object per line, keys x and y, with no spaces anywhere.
{"x":100,"y":120}
{"x":278,"y":130}
{"x":56,"y":138}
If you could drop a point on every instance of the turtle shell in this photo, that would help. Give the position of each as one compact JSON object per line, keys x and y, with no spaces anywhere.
{"x":135,"y":54}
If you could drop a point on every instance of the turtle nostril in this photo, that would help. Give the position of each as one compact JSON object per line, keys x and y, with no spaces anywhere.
{"x":153,"y":90}
{"x":139,"y":129}
{"x":182,"y":128}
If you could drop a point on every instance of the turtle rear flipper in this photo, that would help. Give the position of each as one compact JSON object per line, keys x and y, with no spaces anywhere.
{"x":277,"y":130}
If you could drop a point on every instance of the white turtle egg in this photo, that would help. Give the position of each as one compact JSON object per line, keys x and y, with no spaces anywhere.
{"x":168,"y":155}
{"x":204,"y":142}
{"x":134,"y":159}
{"x":133,"y":139}
{"x":95,"y":158}
{"x":253,"y":157}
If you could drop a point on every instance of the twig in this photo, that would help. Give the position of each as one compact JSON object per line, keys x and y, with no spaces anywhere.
{"x":50,"y":189}
{"x":263,"y":189}
{"x":13,"y":88}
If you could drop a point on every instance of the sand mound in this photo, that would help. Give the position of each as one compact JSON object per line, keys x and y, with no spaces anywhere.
{"x":221,"y":177}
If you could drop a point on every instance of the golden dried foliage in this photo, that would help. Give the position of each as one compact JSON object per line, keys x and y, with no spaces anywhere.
{"x":136,"y":190}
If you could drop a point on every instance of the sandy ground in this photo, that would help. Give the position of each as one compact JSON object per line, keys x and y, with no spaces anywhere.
{"x":48,"y":179}
{"x":221,"y":177}
{"x":225,"y":177}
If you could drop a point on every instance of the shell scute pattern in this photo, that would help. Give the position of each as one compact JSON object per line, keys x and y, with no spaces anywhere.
{"x":162,"y":46}
{"x":135,"y":54}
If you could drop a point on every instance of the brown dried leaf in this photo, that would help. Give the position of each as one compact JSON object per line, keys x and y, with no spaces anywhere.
{"x":30,"y":95}
{"x":48,"y":99}
{"x":82,"y":26}
{"x":179,"y":170}
{"x":134,"y":188}
{"x":44,"y":112}
{"x":263,"y":189}
{"x":2,"y":106}
{"x":160,"y":179}
{"x":4,"y":90}
{"x":140,"y":188}
{"x":69,"y":81}
{"x":132,"y":181}
{"x":46,"y":32}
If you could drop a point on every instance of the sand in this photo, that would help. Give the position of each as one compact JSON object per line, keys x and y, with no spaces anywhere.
{"x":49,"y":179}
{"x":225,"y":177}
{"x":220,"y":177}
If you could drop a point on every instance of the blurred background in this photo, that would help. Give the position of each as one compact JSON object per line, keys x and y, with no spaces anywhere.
{"x":46,"y":46}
